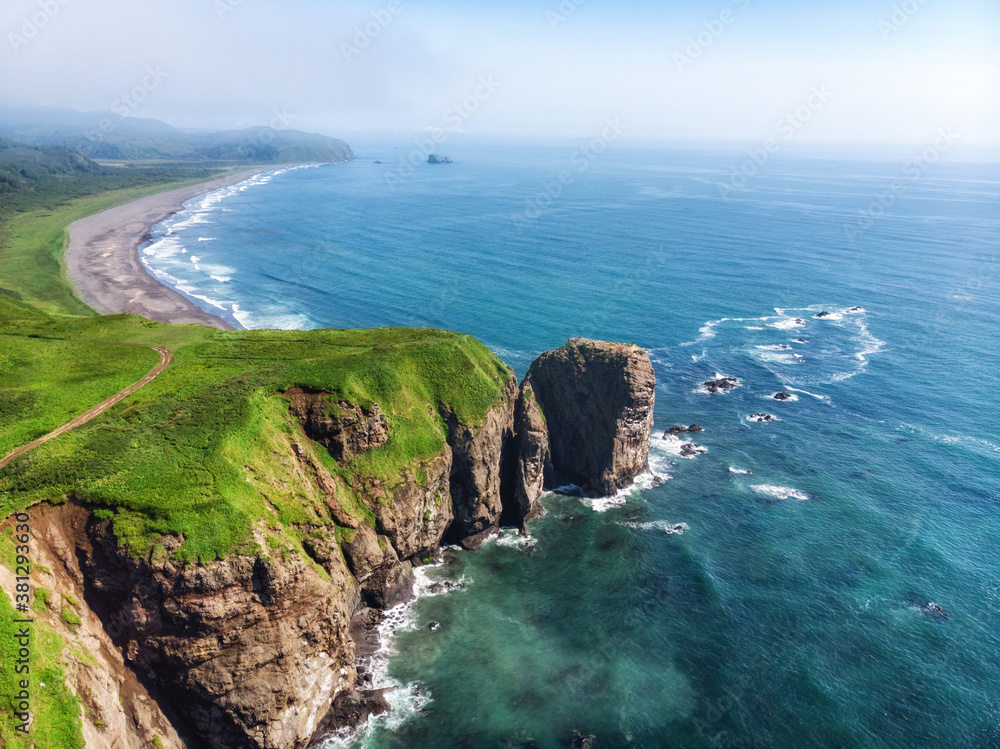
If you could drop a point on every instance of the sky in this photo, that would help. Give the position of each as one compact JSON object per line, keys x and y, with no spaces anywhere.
{"x":835,"y":72}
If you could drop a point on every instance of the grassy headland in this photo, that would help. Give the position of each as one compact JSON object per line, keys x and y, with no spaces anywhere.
{"x":208,"y":449}
{"x":203,"y":451}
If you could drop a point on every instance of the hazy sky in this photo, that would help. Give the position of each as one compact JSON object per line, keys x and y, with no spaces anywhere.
{"x":892,"y":71}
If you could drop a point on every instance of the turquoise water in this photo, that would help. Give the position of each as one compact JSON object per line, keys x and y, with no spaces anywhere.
{"x":794,"y":609}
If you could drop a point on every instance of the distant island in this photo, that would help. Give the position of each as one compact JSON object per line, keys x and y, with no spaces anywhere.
{"x":438,"y":159}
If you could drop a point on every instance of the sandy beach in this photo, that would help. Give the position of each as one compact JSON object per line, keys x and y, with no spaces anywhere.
{"x":102,"y":258}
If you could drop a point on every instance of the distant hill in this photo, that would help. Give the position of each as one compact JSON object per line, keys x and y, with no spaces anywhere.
{"x":33,"y":177}
{"x":107,"y":135}
{"x":24,"y":167}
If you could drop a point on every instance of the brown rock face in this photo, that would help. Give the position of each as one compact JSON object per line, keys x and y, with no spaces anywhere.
{"x":533,"y":471}
{"x":119,"y":713}
{"x":374,"y":563}
{"x":255,"y":652}
{"x":597,"y":398}
{"x":247,"y":652}
{"x":344,"y":428}
{"x":479,"y":458}
{"x":419,"y":514}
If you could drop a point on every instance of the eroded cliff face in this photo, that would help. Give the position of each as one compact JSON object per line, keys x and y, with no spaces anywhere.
{"x":345,"y":429}
{"x":255,"y":651}
{"x":247,"y":652}
{"x":480,"y":457}
{"x":533,"y":469}
{"x":597,"y":398}
{"x":118,"y":710}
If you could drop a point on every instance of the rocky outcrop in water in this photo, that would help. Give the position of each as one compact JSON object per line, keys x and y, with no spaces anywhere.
{"x":721,"y":385}
{"x":257,"y":651}
{"x":597,"y":399}
{"x":675,"y":431}
{"x":438,"y":159}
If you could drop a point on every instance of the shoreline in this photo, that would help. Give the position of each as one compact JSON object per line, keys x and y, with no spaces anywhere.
{"x":103,"y":265}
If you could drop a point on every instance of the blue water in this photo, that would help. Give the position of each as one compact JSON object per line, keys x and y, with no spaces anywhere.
{"x":794,"y":610}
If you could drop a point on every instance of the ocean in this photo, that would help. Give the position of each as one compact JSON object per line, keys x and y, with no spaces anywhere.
{"x":830,"y":578}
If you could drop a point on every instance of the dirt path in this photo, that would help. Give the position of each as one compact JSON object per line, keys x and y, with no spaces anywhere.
{"x":165,"y":358}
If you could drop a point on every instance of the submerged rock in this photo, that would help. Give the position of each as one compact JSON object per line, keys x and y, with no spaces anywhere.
{"x":761,"y":418}
{"x":674,"y":431}
{"x":689,"y":450}
{"x":782,"y":396}
{"x":596,"y":399}
{"x":352,"y":708}
{"x":722,"y":385}
{"x":823,"y":314}
{"x":927,"y":607}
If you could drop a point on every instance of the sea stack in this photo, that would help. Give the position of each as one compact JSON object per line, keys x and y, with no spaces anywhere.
{"x":435,"y":158}
{"x":595,"y":400}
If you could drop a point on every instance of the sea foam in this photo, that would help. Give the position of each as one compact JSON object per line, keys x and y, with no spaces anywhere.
{"x":780,"y":492}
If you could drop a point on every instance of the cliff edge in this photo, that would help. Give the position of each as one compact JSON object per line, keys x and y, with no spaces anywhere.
{"x":213,"y":537}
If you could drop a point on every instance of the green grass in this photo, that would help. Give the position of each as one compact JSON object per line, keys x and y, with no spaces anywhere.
{"x":41,"y":600}
{"x":46,"y":383}
{"x":56,"y":711}
{"x":205,"y":449}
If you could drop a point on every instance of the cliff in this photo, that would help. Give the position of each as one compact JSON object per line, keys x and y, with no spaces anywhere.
{"x":597,"y":399}
{"x":223,"y":527}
